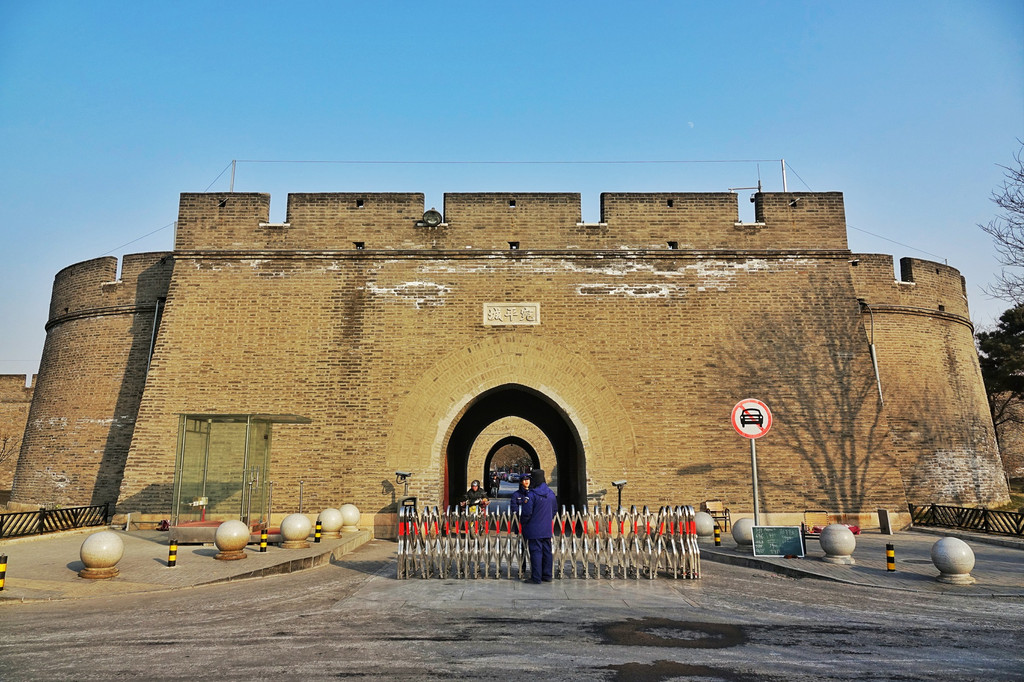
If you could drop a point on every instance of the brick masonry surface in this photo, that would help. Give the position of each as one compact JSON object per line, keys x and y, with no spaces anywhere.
{"x":15,"y":399}
{"x":653,"y":323}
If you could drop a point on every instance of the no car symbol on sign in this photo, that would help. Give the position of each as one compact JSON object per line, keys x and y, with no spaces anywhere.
{"x":751,"y":418}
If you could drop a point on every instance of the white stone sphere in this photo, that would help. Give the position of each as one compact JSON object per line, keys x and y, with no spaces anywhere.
{"x":331,"y":520}
{"x":231,"y":536}
{"x":102,"y":550}
{"x":742,"y":532}
{"x":705,"y":524}
{"x":295,"y":527}
{"x":350,"y":515}
{"x":838,"y":542}
{"x":953,"y":556}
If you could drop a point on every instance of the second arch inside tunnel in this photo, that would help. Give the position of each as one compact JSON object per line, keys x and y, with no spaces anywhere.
{"x":544,"y":433}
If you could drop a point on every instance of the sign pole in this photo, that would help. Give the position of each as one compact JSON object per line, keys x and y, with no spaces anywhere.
{"x":753,"y":467}
{"x":752,"y":419}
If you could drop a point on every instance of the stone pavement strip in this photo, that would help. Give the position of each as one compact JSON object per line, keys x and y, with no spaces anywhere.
{"x":46,"y":568}
{"x":999,"y":563}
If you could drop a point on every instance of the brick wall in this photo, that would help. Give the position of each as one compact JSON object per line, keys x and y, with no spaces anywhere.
{"x":90,"y":381}
{"x":640,"y":352}
{"x":931,"y":380}
{"x":15,"y":398}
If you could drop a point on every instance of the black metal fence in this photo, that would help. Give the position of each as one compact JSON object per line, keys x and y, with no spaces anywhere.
{"x":19,"y":524}
{"x":978,"y":519}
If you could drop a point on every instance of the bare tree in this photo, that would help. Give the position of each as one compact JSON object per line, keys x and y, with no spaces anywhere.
{"x":10,"y":444}
{"x":1007,"y":231}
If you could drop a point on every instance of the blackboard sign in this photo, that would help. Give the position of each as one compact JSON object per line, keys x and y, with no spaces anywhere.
{"x":778,"y":541}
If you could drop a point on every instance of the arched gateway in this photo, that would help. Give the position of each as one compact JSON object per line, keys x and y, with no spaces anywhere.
{"x":519,"y":401}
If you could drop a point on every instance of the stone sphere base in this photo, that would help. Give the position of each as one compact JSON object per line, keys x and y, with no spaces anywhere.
{"x":843,"y":560}
{"x":333,"y":534}
{"x":98,"y":573}
{"x":956,"y":578}
{"x":294,"y":544}
{"x":230,"y":555}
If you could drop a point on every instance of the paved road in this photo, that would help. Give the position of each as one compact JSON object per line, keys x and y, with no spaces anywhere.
{"x":352,"y":619}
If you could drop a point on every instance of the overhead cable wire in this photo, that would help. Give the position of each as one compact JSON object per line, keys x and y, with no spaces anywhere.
{"x":906,"y":246}
{"x":218,"y":177}
{"x":170,"y":224}
{"x":511,"y":163}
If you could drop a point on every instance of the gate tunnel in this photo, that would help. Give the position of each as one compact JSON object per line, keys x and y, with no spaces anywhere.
{"x":514,"y":400}
{"x":516,"y":441}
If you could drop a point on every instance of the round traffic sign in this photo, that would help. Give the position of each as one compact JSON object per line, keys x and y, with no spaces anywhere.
{"x":751,"y":418}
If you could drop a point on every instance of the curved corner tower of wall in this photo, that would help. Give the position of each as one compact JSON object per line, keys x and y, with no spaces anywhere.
{"x":930,"y":379}
{"x":93,"y":369}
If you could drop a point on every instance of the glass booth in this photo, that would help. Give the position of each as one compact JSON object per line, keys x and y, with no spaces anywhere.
{"x":222,"y":467}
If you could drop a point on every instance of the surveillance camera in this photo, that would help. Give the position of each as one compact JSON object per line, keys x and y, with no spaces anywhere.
{"x":618,"y":484}
{"x":403,"y":474}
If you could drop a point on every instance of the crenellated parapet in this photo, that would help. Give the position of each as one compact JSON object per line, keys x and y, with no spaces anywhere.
{"x":923,"y":287}
{"x":93,"y":286}
{"x":503,"y":220}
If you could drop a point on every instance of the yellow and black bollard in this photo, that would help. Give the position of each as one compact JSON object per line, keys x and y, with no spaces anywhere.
{"x":319,"y":527}
{"x":890,"y":557}
{"x":3,"y":570}
{"x":172,"y":554}
{"x":263,"y":540}
{"x":718,"y":536}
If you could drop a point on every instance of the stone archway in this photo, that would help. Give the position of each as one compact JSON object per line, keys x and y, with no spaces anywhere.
{"x":568,"y":385}
{"x":516,"y":400}
{"x":511,"y":445}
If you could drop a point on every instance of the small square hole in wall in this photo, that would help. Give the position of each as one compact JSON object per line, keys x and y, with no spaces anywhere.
{"x":673,"y":245}
{"x":513,"y":245}
{"x":511,"y":203}
{"x":359,"y":203}
{"x":671,"y":203}
{"x":359,"y":245}
{"x":942,"y":308}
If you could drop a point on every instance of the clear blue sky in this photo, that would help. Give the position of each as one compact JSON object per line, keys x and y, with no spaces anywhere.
{"x":108,"y":110}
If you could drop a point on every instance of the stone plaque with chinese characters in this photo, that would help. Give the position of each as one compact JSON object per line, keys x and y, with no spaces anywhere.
{"x":511,"y":313}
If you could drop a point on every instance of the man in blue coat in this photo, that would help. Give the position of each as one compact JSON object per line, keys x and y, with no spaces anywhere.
{"x":537,"y":508}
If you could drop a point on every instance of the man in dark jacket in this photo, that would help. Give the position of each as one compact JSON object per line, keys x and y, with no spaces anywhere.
{"x":537,"y":511}
{"x":475,"y":498}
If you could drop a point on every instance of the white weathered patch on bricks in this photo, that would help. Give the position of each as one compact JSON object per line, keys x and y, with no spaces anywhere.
{"x":421,"y":293}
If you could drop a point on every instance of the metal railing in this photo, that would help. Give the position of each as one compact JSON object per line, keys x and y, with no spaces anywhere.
{"x":978,"y":519}
{"x":20,"y":524}
{"x":453,"y":544}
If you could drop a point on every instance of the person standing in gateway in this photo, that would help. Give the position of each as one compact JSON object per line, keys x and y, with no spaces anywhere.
{"x":536,"y":515}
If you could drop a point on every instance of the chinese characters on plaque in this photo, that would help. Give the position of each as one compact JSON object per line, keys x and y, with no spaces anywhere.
{"x":511,"y":313}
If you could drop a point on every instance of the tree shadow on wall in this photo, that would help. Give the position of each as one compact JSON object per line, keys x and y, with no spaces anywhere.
{"x":814,"y":369}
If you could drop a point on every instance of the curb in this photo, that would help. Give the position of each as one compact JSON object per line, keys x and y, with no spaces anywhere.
{"x":354,"y":542}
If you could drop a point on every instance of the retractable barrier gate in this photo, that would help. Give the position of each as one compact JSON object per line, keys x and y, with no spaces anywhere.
{"x":586,"y":544}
